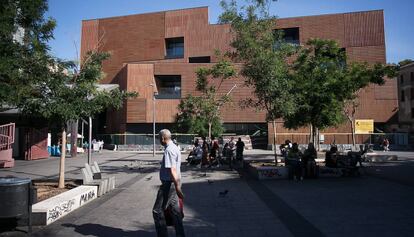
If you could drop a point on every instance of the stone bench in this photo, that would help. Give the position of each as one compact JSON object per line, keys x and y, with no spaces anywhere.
{"x":52,"y":209}
{"x":329,"y":172}
{"x":375,"y":157}
{"x":269,"y":172}
{"x":92,"y":176}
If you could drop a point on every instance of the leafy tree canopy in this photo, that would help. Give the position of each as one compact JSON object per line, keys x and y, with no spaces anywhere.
{"x":201,"y":114}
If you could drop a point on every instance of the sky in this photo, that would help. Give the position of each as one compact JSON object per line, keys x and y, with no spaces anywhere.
{"x":399,"y":28}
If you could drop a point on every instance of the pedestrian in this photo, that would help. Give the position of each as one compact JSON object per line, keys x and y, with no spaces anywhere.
{"x":386,"y":144}
{"x":205,"y":148}
{"x":294,"y":160}
{"x":214,"y":149}
{"x":239,"y":149}
{"x":169,"y":192}
{"x":308,"y":161}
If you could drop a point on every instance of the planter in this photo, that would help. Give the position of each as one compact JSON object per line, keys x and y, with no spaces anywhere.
{"x":54,"y":208}
{"x":261,"y":171}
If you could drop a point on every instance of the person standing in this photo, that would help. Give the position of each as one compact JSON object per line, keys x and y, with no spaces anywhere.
{"x":239,"y":149}
{"x":170,"y":190}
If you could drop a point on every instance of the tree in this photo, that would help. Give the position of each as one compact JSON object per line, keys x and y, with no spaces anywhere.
{"x":40,"y":85}
{"x":357,"y":77}
{"x":264,"y":55}
{"x":201,"y":114}
{"x":24,"y":34}
{"x":324,"y":83}
{"x":405,"y":62}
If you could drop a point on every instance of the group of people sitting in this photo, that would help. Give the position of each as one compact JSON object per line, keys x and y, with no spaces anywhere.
{"x":302,"y":164}
{"x":210,"y":153}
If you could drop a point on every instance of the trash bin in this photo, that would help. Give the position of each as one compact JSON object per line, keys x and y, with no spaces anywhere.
{"x":16,"y":199}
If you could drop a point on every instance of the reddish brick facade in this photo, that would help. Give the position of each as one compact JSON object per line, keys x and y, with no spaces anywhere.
{"x":138,"y":47}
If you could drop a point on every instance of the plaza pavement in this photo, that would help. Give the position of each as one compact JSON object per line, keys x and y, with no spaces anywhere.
{"x":376,"y":204}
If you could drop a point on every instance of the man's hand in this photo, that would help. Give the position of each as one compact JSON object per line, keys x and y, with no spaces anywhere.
{"x":180,"y":193}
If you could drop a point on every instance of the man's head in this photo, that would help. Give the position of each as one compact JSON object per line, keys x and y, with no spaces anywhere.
{"x":165,"y":136}
{"x":239,"y":139}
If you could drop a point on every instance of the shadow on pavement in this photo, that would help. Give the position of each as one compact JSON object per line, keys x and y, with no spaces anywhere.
{"x":106,"y":231}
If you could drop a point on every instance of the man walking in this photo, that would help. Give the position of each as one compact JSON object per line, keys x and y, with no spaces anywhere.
{"x":170,"y":189}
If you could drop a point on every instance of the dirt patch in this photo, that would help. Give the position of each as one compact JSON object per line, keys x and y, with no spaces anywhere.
{"x":49,"y":188}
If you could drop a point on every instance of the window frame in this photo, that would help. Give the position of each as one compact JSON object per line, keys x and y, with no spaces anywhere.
{"x":166,"y":96}
{"x":172,"y":41}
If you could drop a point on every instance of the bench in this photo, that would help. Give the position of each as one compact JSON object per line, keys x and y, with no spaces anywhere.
{"x":88,"y":180}
{"x":98,"y":175}
{"x":52,"y":209}
{"x":92,"y":176}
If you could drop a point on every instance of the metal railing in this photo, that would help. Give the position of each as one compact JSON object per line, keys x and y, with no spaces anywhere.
{"x":6,"y":136}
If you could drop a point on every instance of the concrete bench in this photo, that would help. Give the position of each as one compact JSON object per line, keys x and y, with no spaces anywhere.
{"x":101,"y":184}
{"x":325,"y":171}
{"x":269,"y":172}
{"x":97,"y":172}
{"x":52,"y":209}
{"x":92,"y":176}
{"x":375,"y":157}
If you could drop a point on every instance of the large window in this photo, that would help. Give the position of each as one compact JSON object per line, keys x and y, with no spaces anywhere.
{"x":402,"y":96}
{"x":168,"y":86}
{"x":174,"y":47}
{"x":289,"y":35}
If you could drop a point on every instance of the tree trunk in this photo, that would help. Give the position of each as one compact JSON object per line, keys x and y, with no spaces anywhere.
{"x":74,"y":138}
{"x":310,"y":134}
{"x":314,"y":136}
{"x":353,"y":134}
{"x":62,"y":160}
{"x":209,"y":130}
{"x":318,"y":143}
{"x":274,"y":140}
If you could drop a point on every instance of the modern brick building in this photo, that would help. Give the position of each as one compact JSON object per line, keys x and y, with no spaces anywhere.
{"x":167,"y":47}
{"x":406,"y":100}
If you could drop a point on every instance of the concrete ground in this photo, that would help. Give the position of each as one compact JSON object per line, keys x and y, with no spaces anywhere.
{"x":379,"y":203}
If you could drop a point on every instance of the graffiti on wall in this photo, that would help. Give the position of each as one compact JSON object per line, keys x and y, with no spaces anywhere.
{"x":60,"y":210}
{"x":86,"y":197}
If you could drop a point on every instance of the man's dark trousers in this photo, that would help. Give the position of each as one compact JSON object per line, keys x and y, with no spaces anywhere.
{"x":167,"y":196}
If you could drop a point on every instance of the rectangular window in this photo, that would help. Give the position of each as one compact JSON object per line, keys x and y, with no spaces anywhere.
{"x":174,"y":47}
{"x":202,"y":59}
{"x":412,"y":76}
{"x":412,"y":112}
{"x":402,"y":96}
{"x":412,"y":93}
{"x":168,"y":86}
{"x":290,"y":35}
{"x":402,"y":79}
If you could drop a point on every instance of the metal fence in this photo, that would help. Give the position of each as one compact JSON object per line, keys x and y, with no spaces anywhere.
{"x":142,"y":139}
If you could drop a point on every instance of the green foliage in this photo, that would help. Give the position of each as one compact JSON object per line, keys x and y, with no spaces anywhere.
{"x":24,"y":35}
{"x":198,"y":113}
{"x":324,"y":83}
{"x":61,"y":97}
{"x":264,"y":56}
{"x":37,"y":83}
{"x":405,"y":62}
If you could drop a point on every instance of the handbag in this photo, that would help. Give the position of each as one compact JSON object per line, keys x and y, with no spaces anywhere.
{"x":169,"y":215}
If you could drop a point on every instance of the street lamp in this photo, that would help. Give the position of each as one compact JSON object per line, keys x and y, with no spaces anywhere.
{"x":154,"y":93}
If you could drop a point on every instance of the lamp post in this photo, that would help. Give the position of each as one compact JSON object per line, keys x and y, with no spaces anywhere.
{"x":154,"y":93}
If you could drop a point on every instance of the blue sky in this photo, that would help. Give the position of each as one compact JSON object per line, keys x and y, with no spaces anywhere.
{"x":69,"y":14}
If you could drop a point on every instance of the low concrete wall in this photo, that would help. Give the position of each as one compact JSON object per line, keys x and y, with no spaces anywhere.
{"x":54,"y":208}
{"x":378,"y":157}
{"x":269,"y":172}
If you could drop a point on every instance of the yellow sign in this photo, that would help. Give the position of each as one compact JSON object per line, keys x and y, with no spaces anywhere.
{"x":364,"y":126}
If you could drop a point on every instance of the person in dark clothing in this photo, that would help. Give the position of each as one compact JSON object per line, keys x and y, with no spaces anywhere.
{"x":294,"y":160}
{"x":239,"y":149}
{"x":308,"y":160}
{"x":330,"y":157}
